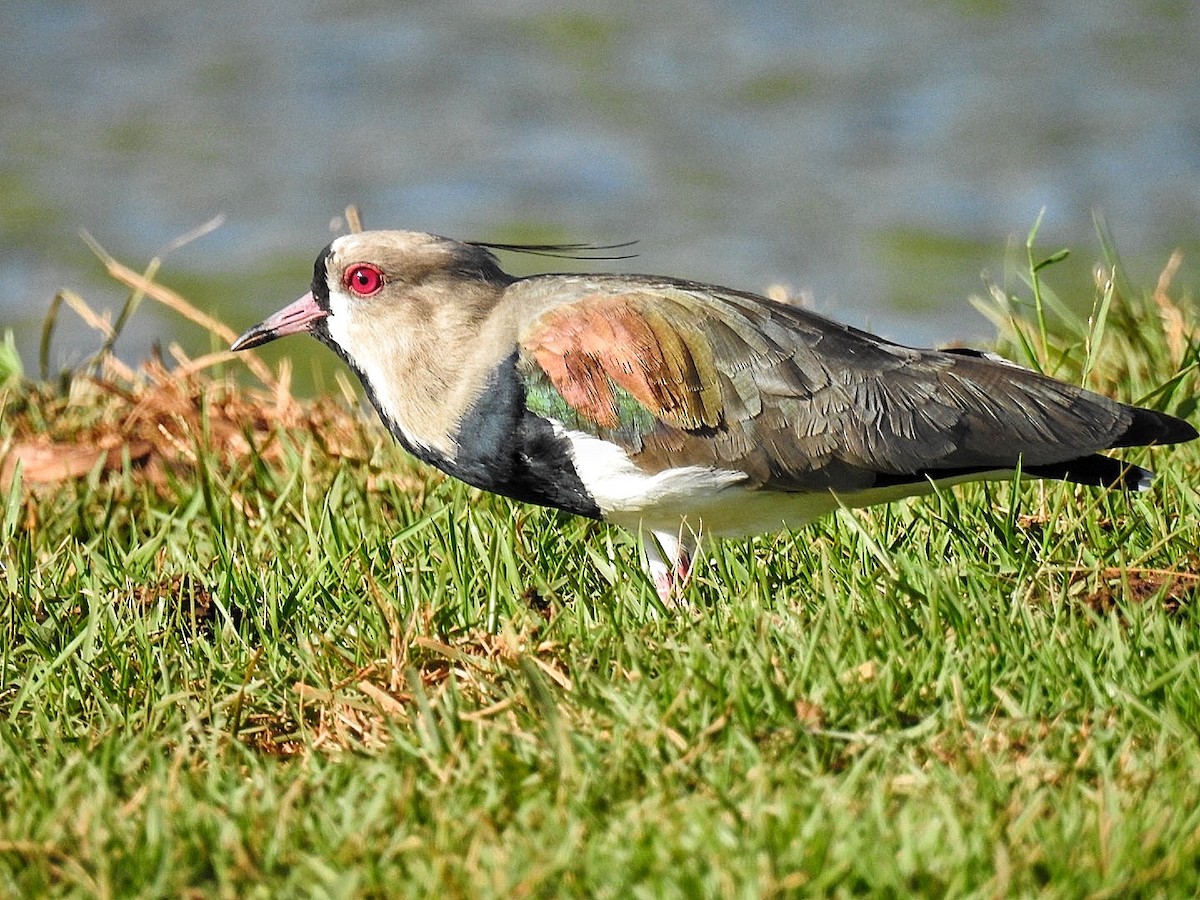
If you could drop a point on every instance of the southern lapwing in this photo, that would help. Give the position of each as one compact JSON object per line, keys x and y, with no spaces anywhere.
{"x":677,"y":409}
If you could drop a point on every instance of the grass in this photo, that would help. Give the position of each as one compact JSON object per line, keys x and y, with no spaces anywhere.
{"x":248,"y":648}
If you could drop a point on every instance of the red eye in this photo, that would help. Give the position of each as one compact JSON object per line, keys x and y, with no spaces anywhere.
{"x":363,"y":279}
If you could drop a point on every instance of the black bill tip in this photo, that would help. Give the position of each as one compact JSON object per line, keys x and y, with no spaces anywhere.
{"x":254,"y":337}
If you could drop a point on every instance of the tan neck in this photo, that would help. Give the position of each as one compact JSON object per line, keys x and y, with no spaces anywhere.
{"x":427,"y":362}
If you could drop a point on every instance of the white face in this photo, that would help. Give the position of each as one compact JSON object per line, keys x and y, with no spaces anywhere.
{"x":362,"y":322}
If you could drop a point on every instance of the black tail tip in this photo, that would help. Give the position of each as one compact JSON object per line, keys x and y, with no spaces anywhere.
{"x":1152,"y":427}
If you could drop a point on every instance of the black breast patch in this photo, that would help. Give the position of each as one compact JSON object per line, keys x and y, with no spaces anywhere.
{"x":506,"y":449}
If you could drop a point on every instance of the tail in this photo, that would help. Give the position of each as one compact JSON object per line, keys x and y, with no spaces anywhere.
{"x":1147,"y":427}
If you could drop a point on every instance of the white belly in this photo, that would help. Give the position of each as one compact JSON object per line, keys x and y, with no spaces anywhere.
{"x":715,"y":502}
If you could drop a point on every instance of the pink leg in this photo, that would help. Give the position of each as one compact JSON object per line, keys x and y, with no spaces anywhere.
{"x":669,"y":560}
{"x":664,"y":584}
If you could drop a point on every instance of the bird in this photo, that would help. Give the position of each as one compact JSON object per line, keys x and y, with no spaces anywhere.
{"x":677,"y":409}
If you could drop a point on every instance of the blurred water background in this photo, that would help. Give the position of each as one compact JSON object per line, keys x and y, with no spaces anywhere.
{"x":877,"y":156}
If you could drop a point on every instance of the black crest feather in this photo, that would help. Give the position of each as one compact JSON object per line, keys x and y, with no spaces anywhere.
{"x":562,"y":251}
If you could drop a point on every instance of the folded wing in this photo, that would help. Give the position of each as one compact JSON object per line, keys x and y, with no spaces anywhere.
{"x":679,"y":374}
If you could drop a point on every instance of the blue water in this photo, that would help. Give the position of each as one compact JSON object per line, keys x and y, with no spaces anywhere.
{"x":876,"y":156}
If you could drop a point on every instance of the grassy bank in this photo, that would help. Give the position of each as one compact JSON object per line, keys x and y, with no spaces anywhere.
{"x":248,"y":648}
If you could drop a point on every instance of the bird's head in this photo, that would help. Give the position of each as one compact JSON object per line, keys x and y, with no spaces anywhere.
{"x":374,"y":286}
